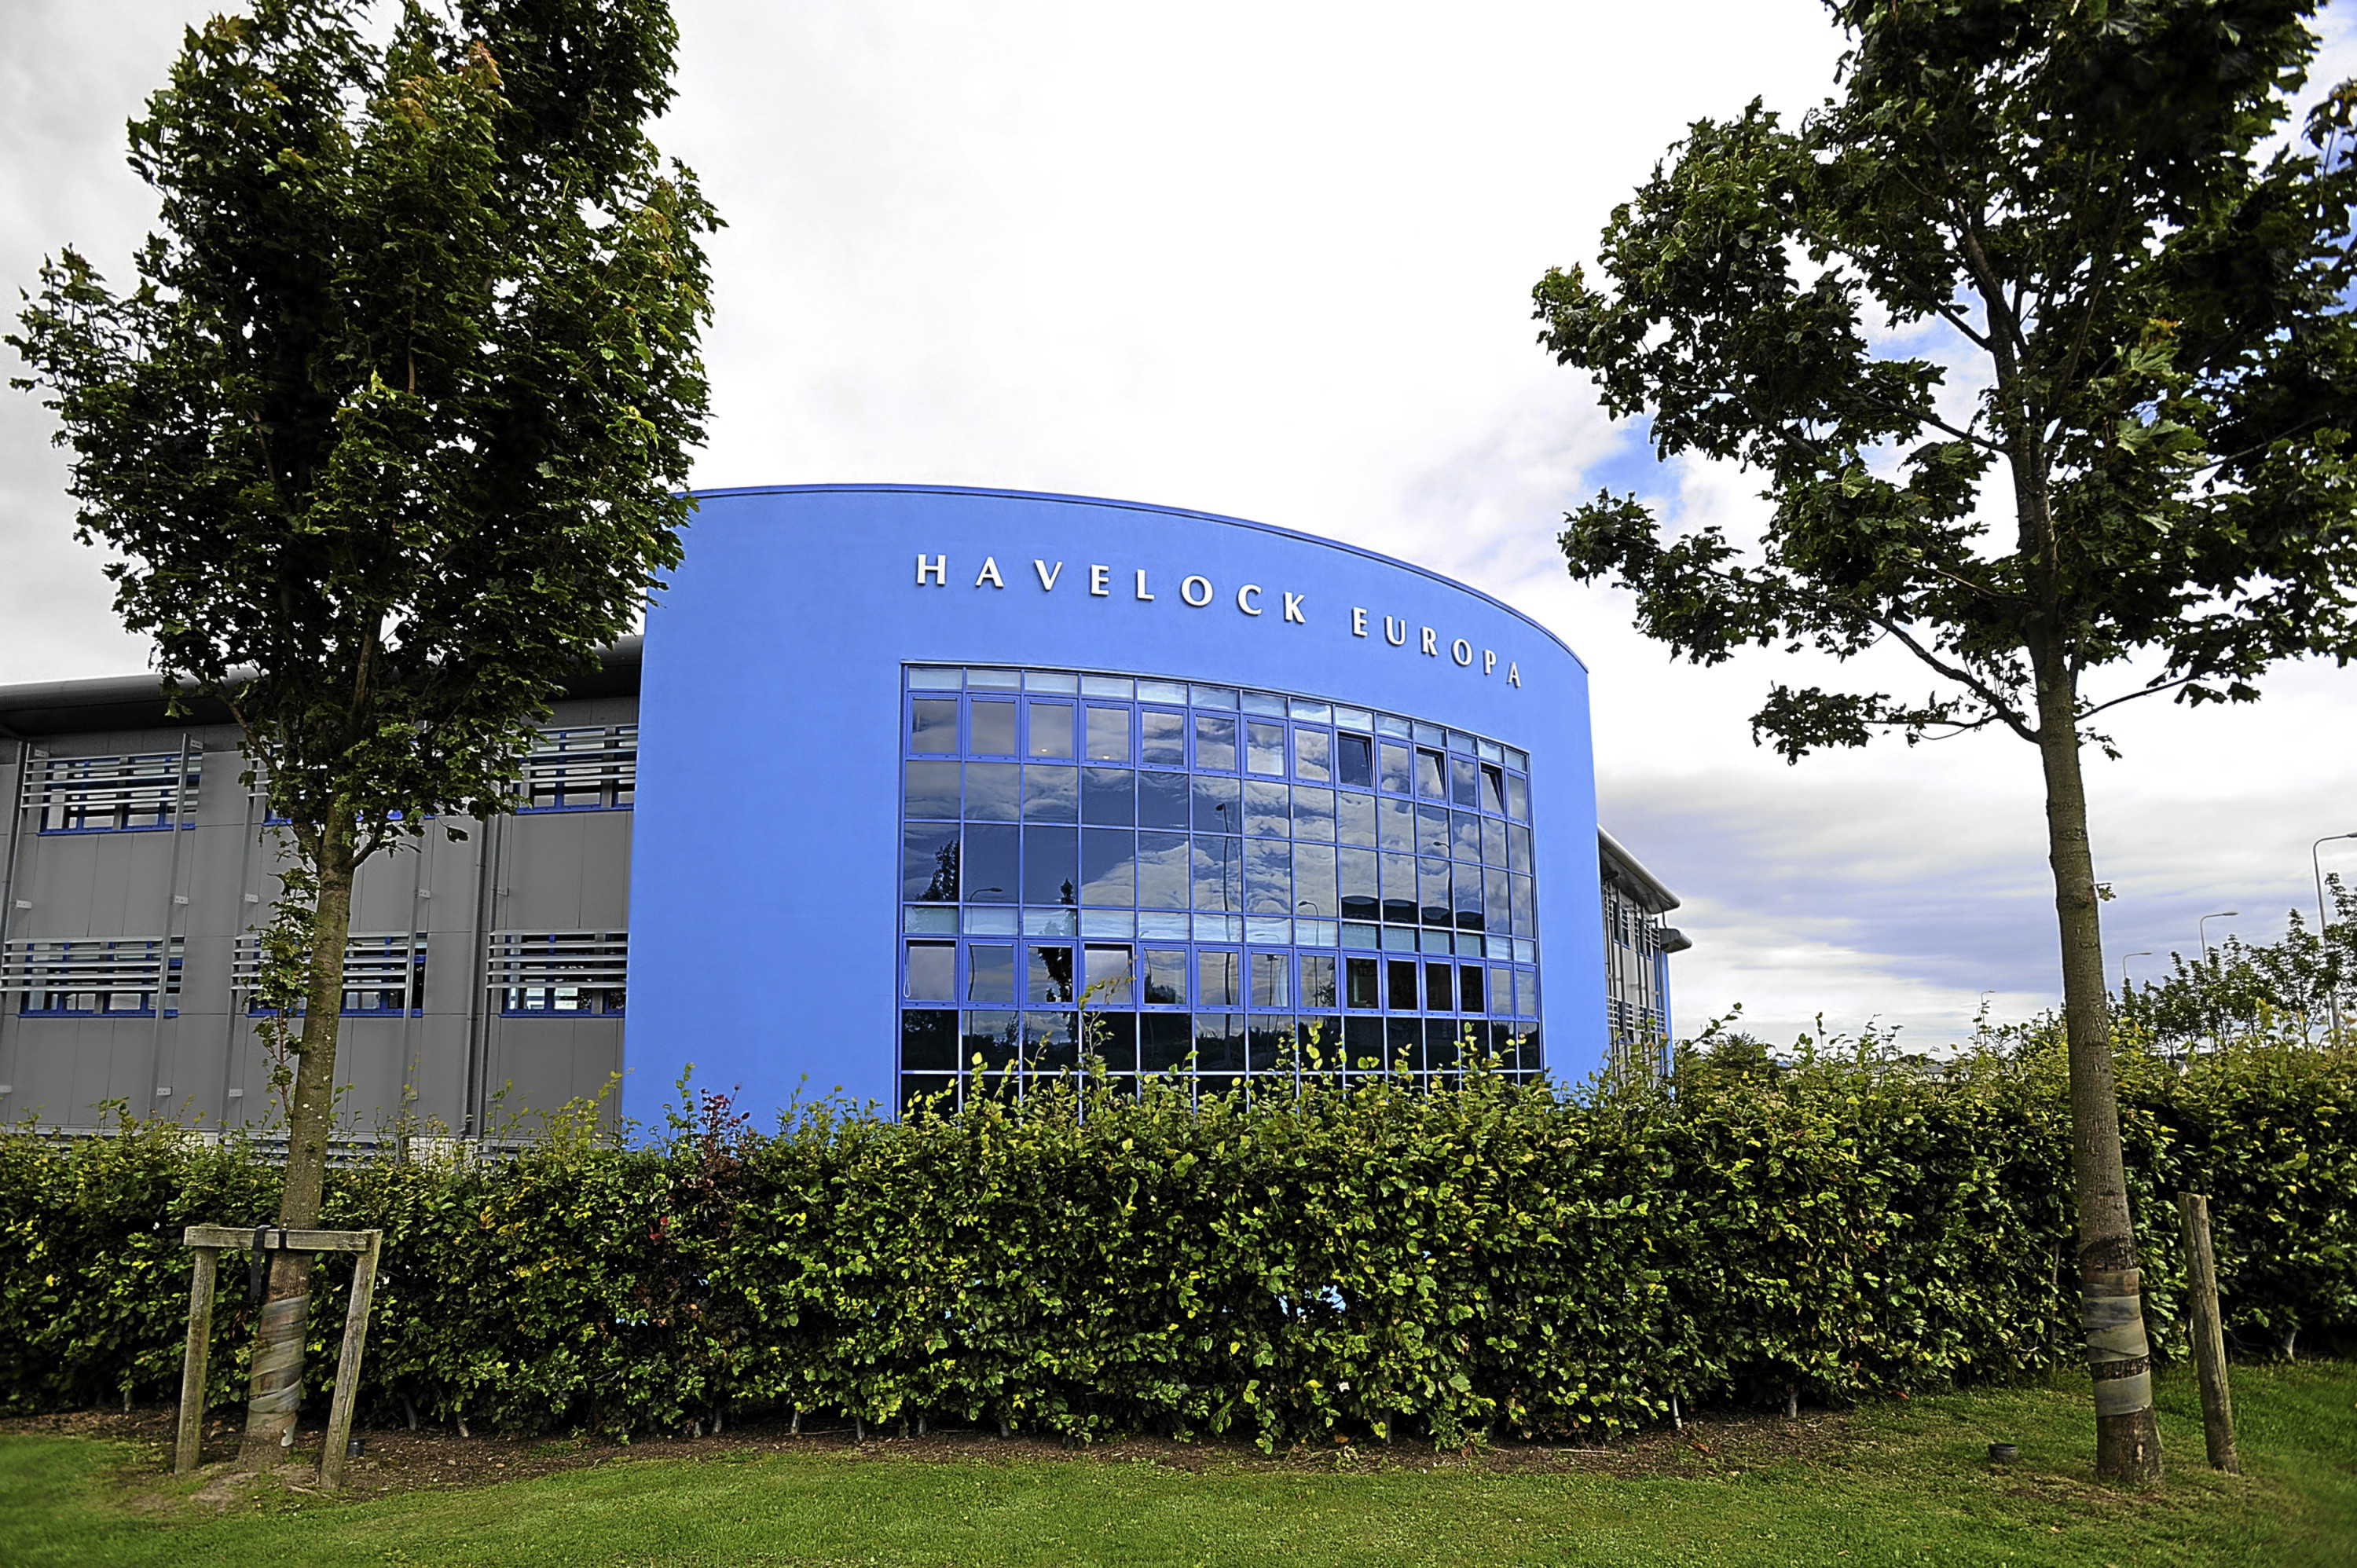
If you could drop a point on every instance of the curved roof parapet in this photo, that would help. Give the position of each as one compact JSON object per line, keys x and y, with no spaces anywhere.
{"x":136,"y":701}
{"x":1625,"y":872}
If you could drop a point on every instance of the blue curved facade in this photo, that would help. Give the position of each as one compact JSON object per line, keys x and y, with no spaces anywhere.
{"x":938,"y":789}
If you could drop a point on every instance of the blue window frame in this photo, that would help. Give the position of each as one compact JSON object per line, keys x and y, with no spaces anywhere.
{"x":592,"y":768}
{"x":122,"y":977}
{"x":123,"y":793}
{"x":1228,"y":886}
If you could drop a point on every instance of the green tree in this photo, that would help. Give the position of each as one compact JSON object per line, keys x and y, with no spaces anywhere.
{"x":2123,"y":446}
{"x":387,"y":435}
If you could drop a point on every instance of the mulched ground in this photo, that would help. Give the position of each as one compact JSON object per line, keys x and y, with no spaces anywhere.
{"x":396,"y":1460}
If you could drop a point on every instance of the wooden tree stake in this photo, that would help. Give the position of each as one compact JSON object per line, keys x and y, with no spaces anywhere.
{"x":2209,"y":1333}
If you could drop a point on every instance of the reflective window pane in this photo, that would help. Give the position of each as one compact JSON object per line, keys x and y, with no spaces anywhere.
{"x":929,"y":789}
{"x":1464,"y":782}
{"x":1431,"y":830}
{"x":1493,"y":842}
{"x":1313,"y":882}
{"x":929,"y":864}
{"x":1218,"y":978}
{"x":1109,"y":797}
{"x":1317,"y":981}
{"x":1051,"y":794}
{"x":1431,"y":779}
{"x":1162,"y":871}
{"x":1518,"y":847}
{"x":993,"y":726}
{"x":1398,"y":777}
{"x":1400,"y":903}
{"x":1163,"y":801}
{"x":1264,"y":748}
{"x":1219,"y":805}
{"x":1354,"y":818}
{"x":1518,"y":797}
{"x":931,"y":974}
{"x":1465,"y":836}
{"x":1395,"y":826}
{"x":1164,"y":1041}
{"x":994,"y":792}
{"x":1438,"y":980}
{"x":1400,"y":984}
{"x":1109,"y":867}
{"x":1313,"y":754}
{"x":1108,"y":735}
{"x":1105,"y":978}
{"x":1272,"y":980}
{"x":1493,"y":790}
{"x":1218,"y":869}
{"x":1313,"y":814}
{"x":1356,"y":888}
{"x":1215,"y":743}
{"x":1047,"y":975}
{"x":932,"y":724}
{"x":1268,"y":877}
{"x":1162,"y":977}
{"x":1362,"y":983}
{"x":929,"y":1041}
{"x":991,"y":1036}
{"x":1354,"y":760}
{"x":1469,"y":988}
{"x":989,"y":973}
{"x":1268,"y":809}
{"x":1051,"y":729}
{"x":1052,"y":866}
{"x":1432,"y":881}
{"x":1162,"y":738}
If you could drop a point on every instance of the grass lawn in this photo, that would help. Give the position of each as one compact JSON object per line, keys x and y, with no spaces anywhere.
{"x":1904,"y":1483}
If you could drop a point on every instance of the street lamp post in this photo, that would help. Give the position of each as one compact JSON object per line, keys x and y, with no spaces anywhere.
{"x":2140,"y":953}
{"x":2324,"y":928}
{"x":2203,"y":926}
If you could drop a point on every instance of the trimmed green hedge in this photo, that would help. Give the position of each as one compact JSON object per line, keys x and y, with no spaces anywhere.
{"x":1425,"y":1266}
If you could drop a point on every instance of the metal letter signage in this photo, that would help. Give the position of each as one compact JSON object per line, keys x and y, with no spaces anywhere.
{"x":939,"y":567}
{"x":989,"y":573}
{"x":1187,"y":591}
{"x":1048,"y":578}
{"x":1244,"y":598}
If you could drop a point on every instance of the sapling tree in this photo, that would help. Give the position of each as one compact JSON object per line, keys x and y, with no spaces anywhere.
{"x":2037,"y":333}
{"x":386,"y":435}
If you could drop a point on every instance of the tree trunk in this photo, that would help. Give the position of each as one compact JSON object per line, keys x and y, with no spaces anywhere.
{"x":274,"y":1393}
{"x":2128,"y":1441}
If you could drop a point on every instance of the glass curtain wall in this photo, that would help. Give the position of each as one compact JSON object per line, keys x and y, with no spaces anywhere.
{"x":1234,"y":886}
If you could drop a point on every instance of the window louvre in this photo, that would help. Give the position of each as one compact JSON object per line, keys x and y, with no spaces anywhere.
{"x":384,"y":971}
{"x":93,"y":975}
{"x":565,"y":972}
{"x":100,"y":794}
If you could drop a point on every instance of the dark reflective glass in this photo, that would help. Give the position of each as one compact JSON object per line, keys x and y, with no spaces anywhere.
{"x":1431,"y":830}
{"x":1354,"y":818}
{"x":1493,"y":790}
{"x":1493,"y":842}
{"x":1432,"y":882}
{"x":1317,"y":981}
{"x":1465,"y":836}
{"x":1109,"y":867}
{"x":1051,"y":866}
{"x":929,"y":1041}
{"x":1268,"y":1042}
{"x":1268,"y":809}
{"x":1525,"y":922}
{"x":1470,"y":989}
{"x":1164,"y":1040}
{"x":1464,"y":782}
{"x":1215,"y":742}
{"x":1050,"y":1042}
{"x":1264,"y":748}
{"x":1497,"y":911}
{"x":1162,"y":738}
{"x":1355,"y":884}
{"x":1218,"y":978}
{"x":1047,"y":974}
{"x":1051,"y":729}
{"x":1319,"y":1042}
{"x":1404,"y":1043}
{"x":932,"y":724}
{"x":1440,"y":982}
{"x":1268,"y":877}
{"x":1518,"y":797}
{"x":1109,"y":797}
{"x":929,"y":789}
{"x":929,"y":864}
{"x":1219,"y":1043}
{"x":1219,"y":871}
{"x":1400,"y":984}
{"x":1313,"y":882}
{"x":989,"y":973}
{"x":1112,"y":1038}
{"x":1313,"y":815}
{"x":1313,"y":751}
{"x":1162,"y":977}
{"x":1108,"y":735}
{"x":929,"y":1093}
{"x":993,"y":725}
{"x":1397,"y":763}
{"x":1443,"y":1043}
{"x":1399,"y":889}
{"x":1361,"y":986}
{"x":1518,"y":847}
{"x":1219,"y":805}
{"x":1431,"y":776}
{"x":1162,"y":871}
{"x":989,"y":874}
{"x":1051,"y":794}
{"x":994,"y":792}
{"x":1354,"y":760}
{"x":931,"y":972}
{"x":1162,"y":801}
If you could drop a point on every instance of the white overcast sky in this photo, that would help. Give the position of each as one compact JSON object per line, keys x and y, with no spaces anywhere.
{"x":1274,"y":261}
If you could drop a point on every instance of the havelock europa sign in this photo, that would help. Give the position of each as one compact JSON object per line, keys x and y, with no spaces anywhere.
{"x":1198,"y":591}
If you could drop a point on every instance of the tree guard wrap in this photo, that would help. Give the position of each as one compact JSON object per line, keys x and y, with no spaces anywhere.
{"x":2111,"y":1306}
{"x":278,"y":1365}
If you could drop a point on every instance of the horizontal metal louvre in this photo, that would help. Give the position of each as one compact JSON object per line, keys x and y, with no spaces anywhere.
{"x":373,"y":961}
{"x":36,"y":964}
{"x":531,"y":959}
{"x":136,"y":789}
{"x":595,"y":764}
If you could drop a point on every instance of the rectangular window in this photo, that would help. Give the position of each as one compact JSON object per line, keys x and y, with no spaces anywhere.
{"x":1432,"y":882}
{"x":594,"y":767}
{"x":989,"y":869}
{"x":991,"y":724}
{"x":1398,"y":763}
{"x":1313,"y":882}
{"x":1109,"y":797}
{"x":1268,"y":809}
{"x":1047,"y":975}
{"x":1431,"y":778}
{"x":1395,"y":826}
{"x":990,"y":972}
{"x":1108,"y":735}
{"x":929,"y":862}
{"x":1518,"y":847}
{"x":1162,"y":871}
{"x":91,"y":977}
{"x":1219,"y":979}
{"x":994,"y":792}
{"x":1400,"y":904}
{"x":1050,"y":793}
{"x":1401,"y":978}
{"x":1464,"y":783}
{"x":1518,"y":797}
{"x":927,"y":1040}
{"x":1469,"y":988}
{"x":1432,"y":835}
{"x":1313,"y":751}
{"x":1163,"y":801}
{"x":1465,"y":836}
{"x":1355,"y":882}
{"x":1268,"y":877}
{"x":559,"y":972}
{"x":1317,"y":980}
{"x":1354,"y":818}
{"x":1264,"y":748}
{"x":1105,"y":980}
{"x":1354,"y":761}
{"x":1493,"y":790}
{"x":1162,"y":738}
{"x":1109,"y":868}
{"x":931,"y":972}
{"x":1438,"y":978}
{"x":1219,"y":805}
{"x":1164,"y":1040}
{"x":1215,"y":743}
{"x":1361,"y":985}
{"x":1052,"y":866}
{"x":1051,"y":729}
{"x":1313,"y":814}
{"x":1163,"y":979}
{"x":1272,"y":980}
{"x":929,"y":789}
{"x":109,"y":794}
{"x":1219,"y":874}
{"x":1493,"y":842}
